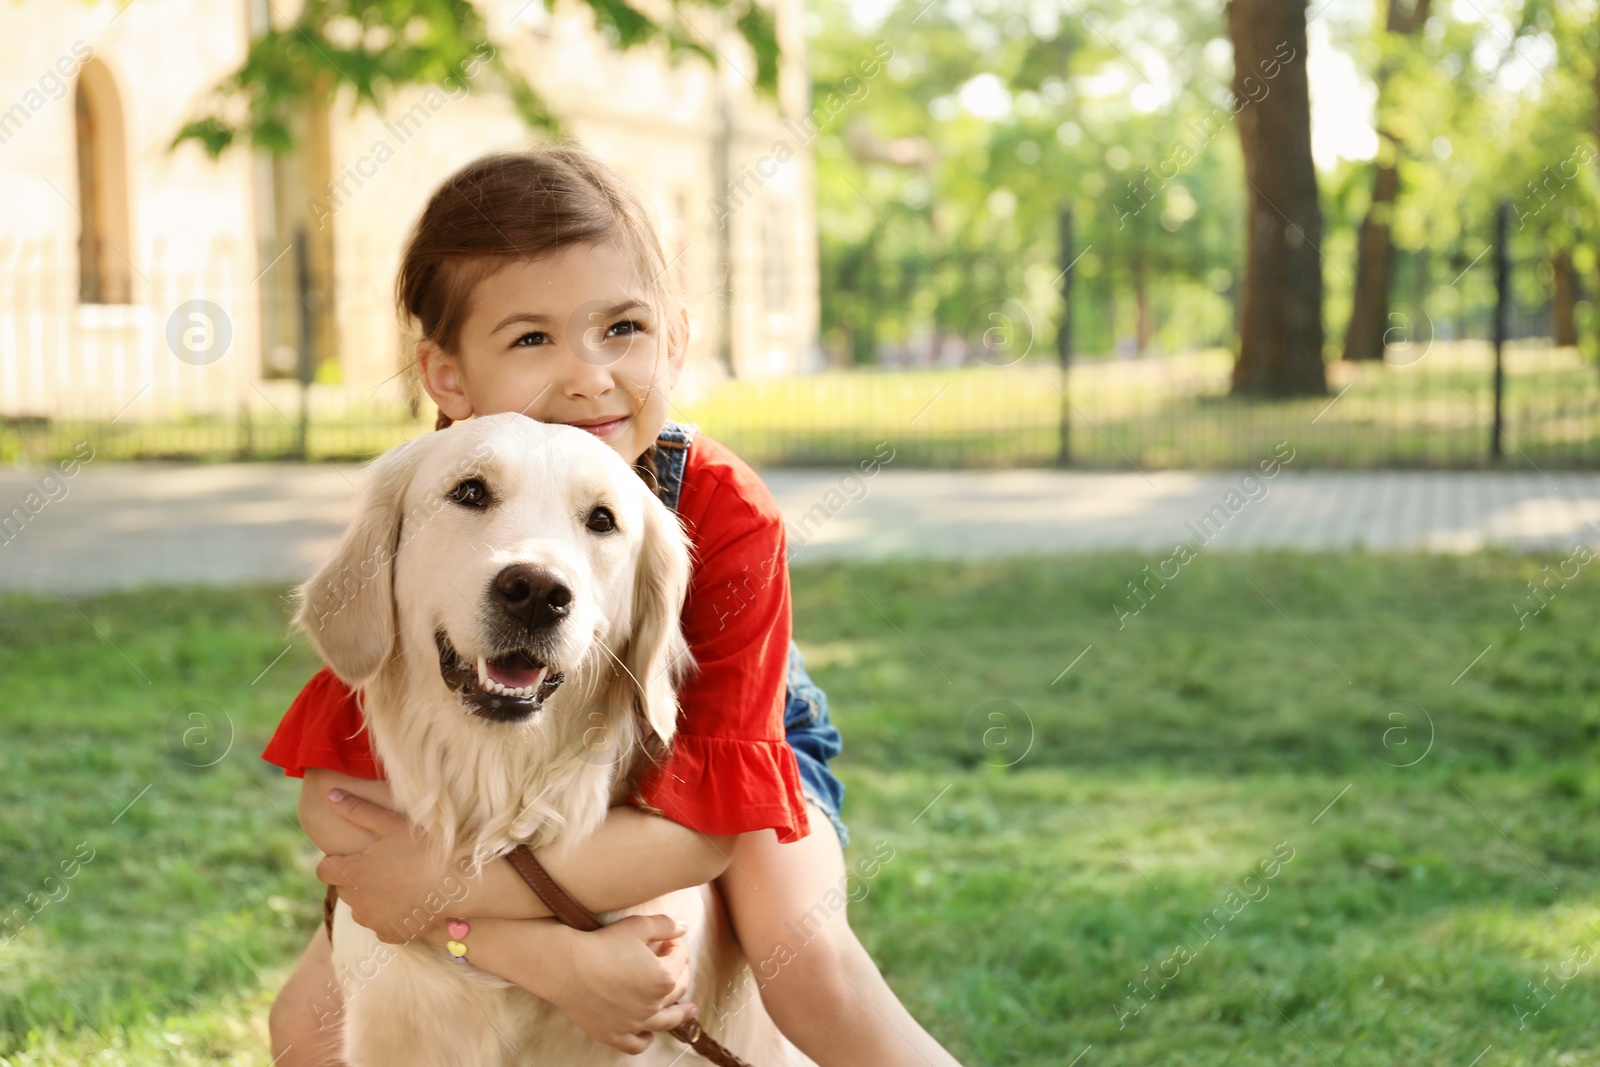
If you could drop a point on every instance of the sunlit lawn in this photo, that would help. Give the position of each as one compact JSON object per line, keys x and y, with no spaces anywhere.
{"x":1428,"y":407}
{"x":1022,"y":903}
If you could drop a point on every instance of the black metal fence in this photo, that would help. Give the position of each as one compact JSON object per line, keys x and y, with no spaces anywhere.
{"x":1429,"y":405}
{"x":208,"y":439}
{"x":1432,"y":402}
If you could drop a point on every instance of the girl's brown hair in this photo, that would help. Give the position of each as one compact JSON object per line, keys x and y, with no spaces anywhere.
{"x":516,"y":206}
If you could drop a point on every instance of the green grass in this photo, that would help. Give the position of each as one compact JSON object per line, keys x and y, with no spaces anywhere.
{"x":1175,"y":755}
{"x":1021,"y":900}
{"x":1166,"y":412}
{"x":1171,"y":412}
{"x":264,"y":435}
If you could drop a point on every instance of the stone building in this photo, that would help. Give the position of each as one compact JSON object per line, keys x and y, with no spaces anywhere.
{"x":147,"y":283}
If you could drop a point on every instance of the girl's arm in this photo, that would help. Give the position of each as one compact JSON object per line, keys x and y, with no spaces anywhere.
{"x":385,"y":869}
{"x":619,"y":984}
{"x":632,"y":858}
{"x":643,"y":972}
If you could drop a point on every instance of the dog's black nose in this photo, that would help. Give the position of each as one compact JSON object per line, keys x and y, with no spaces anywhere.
{"x":535,"y":596}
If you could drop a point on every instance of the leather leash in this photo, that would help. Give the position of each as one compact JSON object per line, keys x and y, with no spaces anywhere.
{"x":575,"y":915}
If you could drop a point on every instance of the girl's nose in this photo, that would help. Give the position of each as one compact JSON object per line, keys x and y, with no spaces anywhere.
{"x":587,"y":366}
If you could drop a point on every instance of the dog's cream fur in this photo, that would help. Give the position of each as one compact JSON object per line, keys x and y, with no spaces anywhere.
{"x":414,"y":563}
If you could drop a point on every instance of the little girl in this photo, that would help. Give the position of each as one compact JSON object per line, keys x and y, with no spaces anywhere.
{"x":538,"y":285}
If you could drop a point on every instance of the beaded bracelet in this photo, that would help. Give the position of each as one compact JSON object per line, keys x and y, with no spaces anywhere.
{"x":457,"y":945}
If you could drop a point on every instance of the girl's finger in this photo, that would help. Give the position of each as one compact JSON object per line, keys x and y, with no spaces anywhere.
{"x":655,"y":927}
{"x":670,"y":1018}
{"x":364,"y":813}
{"x":328,"y":873}
{"x":633,"y":1044}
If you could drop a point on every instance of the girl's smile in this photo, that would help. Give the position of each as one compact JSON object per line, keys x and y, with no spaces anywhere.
{"x":604,"y":428}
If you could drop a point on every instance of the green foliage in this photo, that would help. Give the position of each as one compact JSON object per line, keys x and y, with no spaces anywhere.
{"x":756,"y":27}
{"x":1153,"y":175}
{"x":940,"y":247}
{"x":1484,"y":118}
{"x":371,"y":47}
{"x":374,"y":47}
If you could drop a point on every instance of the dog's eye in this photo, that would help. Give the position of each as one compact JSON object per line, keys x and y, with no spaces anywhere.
{"x":471,"y":493}
{"x":601,"y":520}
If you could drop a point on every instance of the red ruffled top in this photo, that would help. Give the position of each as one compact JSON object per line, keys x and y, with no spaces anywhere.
{"x":730,"y":770}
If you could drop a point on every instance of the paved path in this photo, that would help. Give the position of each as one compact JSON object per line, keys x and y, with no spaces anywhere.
{"x":119,"y":526}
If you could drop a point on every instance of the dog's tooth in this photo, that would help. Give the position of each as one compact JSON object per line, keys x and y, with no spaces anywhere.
{"x":483,"y":671}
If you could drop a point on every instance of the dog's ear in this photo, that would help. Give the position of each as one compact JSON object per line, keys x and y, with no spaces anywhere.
{"x":347,"y":606}
{"x":656,"y":653}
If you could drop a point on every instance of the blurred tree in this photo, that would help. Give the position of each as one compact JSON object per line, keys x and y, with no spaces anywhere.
{"x":1573,"y":105}
{"x":377,"y":46}
{"x":940,"y":178}
{"x":1453,"y":122}
{"x":1369,"y":314}
{"x":1280,"y":332}
{"x":940,"y":182}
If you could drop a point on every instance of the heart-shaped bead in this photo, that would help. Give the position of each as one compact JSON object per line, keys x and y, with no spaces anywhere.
{"x":457,"y":949}
{"x":458,"y":929}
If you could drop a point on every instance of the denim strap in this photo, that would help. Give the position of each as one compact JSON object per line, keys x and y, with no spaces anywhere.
{"x":668,"y":459}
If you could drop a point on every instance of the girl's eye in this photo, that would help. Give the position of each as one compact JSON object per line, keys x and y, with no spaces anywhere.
{"x":601,"y":520}
{"x":529,"y":340}
{"x":471,"y":493}
{"x":622,"y":329}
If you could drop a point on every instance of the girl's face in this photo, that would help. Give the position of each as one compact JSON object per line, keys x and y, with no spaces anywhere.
{"x":567,"y":337}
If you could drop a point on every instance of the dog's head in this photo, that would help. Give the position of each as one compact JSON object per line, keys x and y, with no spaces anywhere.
{"x":517,"y":552}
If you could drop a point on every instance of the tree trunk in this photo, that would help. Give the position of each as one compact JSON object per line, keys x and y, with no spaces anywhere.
{"x":1594,"y":315}
{"x":1458,"y":267}
{"x":1564,"y":304}
{"x":1422,"y":280}
{"x":1144,"y":325}
{"x":1280,"y":334}
{"x":1369,"y":311}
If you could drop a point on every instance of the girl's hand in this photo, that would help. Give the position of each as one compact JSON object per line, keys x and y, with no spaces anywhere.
{"x":622,"y":984}
{"x":388,"y":883}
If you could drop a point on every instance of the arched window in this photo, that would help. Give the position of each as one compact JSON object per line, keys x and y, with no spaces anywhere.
{"x":104,"y":269}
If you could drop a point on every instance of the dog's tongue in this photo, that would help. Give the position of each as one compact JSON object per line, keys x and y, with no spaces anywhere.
{"x":515,"y":671}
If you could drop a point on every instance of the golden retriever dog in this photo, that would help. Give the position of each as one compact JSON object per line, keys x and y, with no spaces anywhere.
{"x":507,"y":600}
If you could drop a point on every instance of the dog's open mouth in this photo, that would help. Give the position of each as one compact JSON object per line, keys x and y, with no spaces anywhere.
{"x":504,"y":688}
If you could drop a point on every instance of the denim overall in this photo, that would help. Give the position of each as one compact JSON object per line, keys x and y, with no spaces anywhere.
{"x":807,"y":727}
